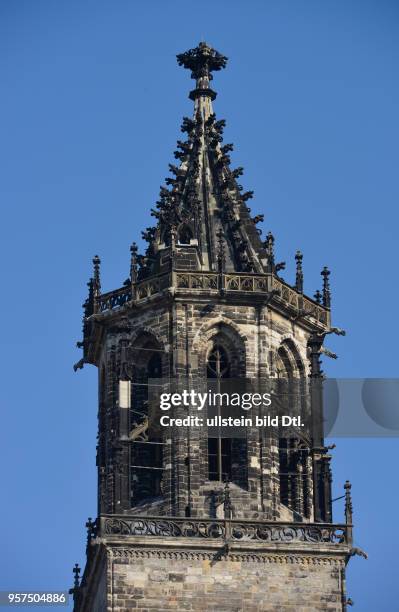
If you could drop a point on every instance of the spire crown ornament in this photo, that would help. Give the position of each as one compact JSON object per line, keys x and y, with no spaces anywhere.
{"x":202,"y":60}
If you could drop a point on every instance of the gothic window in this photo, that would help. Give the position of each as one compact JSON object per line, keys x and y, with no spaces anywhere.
{"x":227,"y":457}
{"x":219,"y":458}
{"x":146,"y":455}
{"x":294,"y":454}
{"x":219,"y":449}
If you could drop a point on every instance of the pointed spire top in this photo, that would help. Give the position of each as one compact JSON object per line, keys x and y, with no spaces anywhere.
{"x":202,"y":61}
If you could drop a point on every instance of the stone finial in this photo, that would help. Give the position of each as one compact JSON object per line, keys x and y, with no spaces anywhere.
{"x":133,"y":263}
{"x":96,"y":275}
{"x":88,"y":306}
{"x":269,"y":246}
{"x":76,"y":572}
{"x":326,"y":287}
{"x":349,"y":514}
{"x":299,"y":272}
{"x":348,"y":502}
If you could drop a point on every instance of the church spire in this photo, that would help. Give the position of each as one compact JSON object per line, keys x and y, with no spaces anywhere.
{"x":204,"y":197}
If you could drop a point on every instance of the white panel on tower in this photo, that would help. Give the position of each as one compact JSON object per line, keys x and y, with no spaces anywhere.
{"x":124,"y":393}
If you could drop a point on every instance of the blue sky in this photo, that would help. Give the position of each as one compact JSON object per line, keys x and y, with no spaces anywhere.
{"x":91,"y":104}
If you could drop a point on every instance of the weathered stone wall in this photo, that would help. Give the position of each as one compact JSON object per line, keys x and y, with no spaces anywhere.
{"x":101,"y":590}
{"x":174,"y":580}
{"x":183,"y":332}
{"x":192,"y":323}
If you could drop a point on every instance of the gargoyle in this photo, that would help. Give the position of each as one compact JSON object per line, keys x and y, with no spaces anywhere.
{"x":358,"y":551}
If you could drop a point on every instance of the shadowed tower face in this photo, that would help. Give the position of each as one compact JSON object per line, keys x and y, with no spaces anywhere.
{"x":203,"y":306}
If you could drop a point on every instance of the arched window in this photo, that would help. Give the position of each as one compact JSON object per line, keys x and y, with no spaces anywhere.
{"x":219,"y":449}
{"x":146,"y":448}
{"x":227,"y":456}
{"x":294,"y":452}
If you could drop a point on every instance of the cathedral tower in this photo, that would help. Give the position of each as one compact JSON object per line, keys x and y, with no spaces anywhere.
{"x":188,"y":520}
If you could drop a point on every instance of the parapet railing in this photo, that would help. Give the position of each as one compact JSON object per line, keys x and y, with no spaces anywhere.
{"x":232,"y":283}
{"x":114,"y":299}
{"x":232,"y":530}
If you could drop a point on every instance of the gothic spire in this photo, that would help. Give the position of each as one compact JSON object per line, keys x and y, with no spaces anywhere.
{"x":203,"y":196}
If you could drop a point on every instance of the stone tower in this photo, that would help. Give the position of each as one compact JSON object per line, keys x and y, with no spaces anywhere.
{"x":189,"y":521}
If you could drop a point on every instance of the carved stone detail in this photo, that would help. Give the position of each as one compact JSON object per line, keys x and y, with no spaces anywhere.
{"x":244,"y":557}
{"x":229,"y":529}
